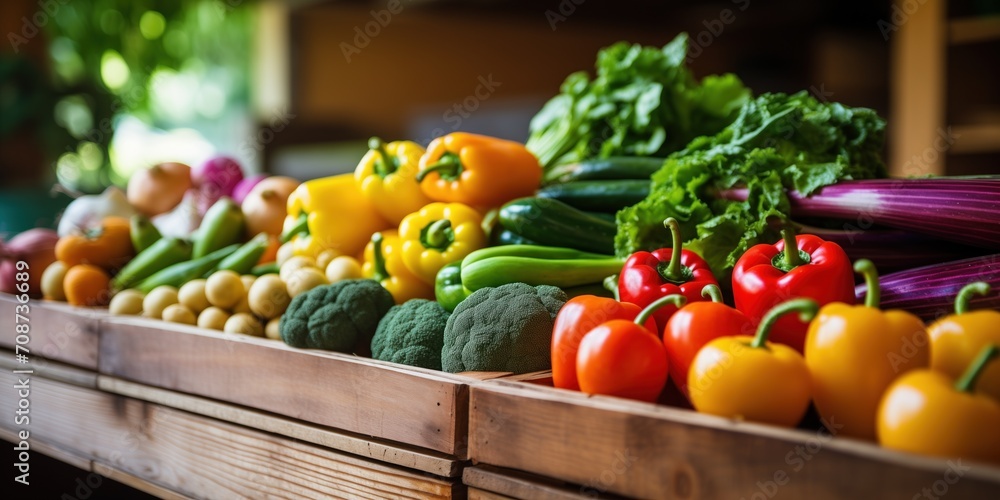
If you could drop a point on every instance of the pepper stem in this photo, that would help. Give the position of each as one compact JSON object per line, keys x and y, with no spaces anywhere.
{"x":386,"y":166}
{"x":301,"y":226}
{"x":968,"y":381}
{"x":792,"y":258}
{"x":675,"y":299}
{"x":673,"y":271}
{"x":611,"y":284}
{"x":439,"y":234}
{"x":966,"y":293}
{"x":449,"y":166}
{"x":378,"y":260}
{"x":807,"y":309}
{"x":866,"y":268}
{"x":713,"y":292}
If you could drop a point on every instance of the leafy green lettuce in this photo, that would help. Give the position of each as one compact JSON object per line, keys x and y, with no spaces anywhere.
{"x":644,"y":101}
{"x":777,"y":142}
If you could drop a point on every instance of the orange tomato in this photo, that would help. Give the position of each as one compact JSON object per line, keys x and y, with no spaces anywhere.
{"x":87,"y":285}
{"x":108,"y":247}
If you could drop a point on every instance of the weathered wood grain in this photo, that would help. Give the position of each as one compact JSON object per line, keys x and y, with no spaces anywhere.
{"x":58,"y":331}
{"x":495,"y":483}
{"x":201,"y":457}
{"x":650,"y":451}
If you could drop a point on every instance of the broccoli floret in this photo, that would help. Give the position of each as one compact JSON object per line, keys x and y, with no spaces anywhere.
{"x":505,"y":329}
{"x":412,"y":334}
{"x":339,"y":317}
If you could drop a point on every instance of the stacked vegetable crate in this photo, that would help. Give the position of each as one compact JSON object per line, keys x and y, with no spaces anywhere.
{"x":175,"y":409}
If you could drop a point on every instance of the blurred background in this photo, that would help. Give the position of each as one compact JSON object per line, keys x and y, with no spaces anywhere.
{"x":92,"y":90}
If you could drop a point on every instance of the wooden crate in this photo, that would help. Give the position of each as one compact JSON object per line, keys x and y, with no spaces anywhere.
{"x":387,"y":401}
{"x":154,"y":447}
{"x":58,"y":332}
{"x":612,"y":445}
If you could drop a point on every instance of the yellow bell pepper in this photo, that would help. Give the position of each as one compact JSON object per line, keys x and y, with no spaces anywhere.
{"x":926,"y":411}
{"x":437,"y":235}
{"x":335,"y":215}
{"x":956,"y":339}
{"x":384,"y":263}
{"x":387,"y":176}
{"x":855,"y":352}
{"x":749,"y":378}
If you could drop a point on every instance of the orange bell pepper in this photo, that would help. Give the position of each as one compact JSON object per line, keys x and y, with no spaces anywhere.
{"x":108,"y":246}
{"x":926,"y":411}
{"x":477,"y":170}
{"x":845,"y":337}
{"x":956,"y":339}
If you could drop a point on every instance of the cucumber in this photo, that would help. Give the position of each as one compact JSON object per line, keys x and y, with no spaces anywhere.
{"x":501,"y":236}
{"x":143,"y":233}
{"x":221,"y":226}
{"x":554,"y":223}
{"x":269,"y":268}
{"x":164,"y":253}
{"x":243,"y":259}
{"x":178,"y":274}
{"x":564,"y":273}
{"x":620,"y":167}
{"x":532,"y":251}
{"x":600,"y":196}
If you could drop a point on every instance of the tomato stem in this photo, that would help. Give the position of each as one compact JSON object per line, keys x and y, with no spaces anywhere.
{"x":807,"y":309}
{"x":713,"y":292}
{"x":866,"y":268}
{"x":968,"y":381}
{"x":966,"y":293}
{"x":674,"y":298}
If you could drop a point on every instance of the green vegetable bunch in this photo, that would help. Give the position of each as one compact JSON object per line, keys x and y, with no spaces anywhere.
{"x":340,"y":317}
{"x":412,"y":334}
{"x":777,"y":142}
{"x":644,"y":101}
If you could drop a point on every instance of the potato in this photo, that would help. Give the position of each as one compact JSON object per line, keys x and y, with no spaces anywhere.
{"x":271,"y":329}
{"x":243,"y":306}
{"x":268,"y":296}
{"x":248,"y":280}
{"x":224,"y":289}
{"x":294,"y":264}
{"x":324,"y":258}
{"x":213,"y":318}
{"x":303,"y":280}
{"x":157,"y":300}
{"x":52,"y":281}
{"x":126,"y":303}
{"x":244,"y":323}
{"x":179,"y":313}
{"x":343,"y":268}
{"x":192,"y":295}
{"x":285,"y":252}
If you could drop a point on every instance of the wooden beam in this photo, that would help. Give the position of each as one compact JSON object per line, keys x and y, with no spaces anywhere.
{"x":58,"y":332}
{"x":51,"y":370}
{"x":494,"y":482}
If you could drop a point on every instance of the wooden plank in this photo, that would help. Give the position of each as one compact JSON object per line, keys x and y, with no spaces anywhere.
{"x":11,"y":435}
{"x":652,"y":451}
{"x":494,"y":482}
{"x":396,"y":454}
{"x":202,"y":457}
{"x":976,"y":139}
{"x":50,"y":370}
{"x":408,"y":405}
{"x":973,"y":29}
{"x":136,"y":482}
{"x":919,"y":73}
{"x":478,"y":494}
{"x":58,"y":331}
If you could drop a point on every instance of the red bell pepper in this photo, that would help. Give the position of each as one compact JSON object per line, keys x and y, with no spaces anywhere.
{"x":577,"y":317}
{"x":766,"y":276}
{"x":695,"y":325}
{"x":648,"y":276}
{"x":624,"y":358}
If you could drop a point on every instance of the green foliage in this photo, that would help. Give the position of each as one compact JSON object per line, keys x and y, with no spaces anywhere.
{"x":643,"y":102}
{"x":777,"y":142}
{"x":506,"y":328}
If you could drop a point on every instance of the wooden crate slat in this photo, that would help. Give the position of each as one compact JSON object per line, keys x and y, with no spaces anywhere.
{"x":202,"y":457}
{"x":58,"y":331}
{"x":494,"y":482}
{"x":649,"y":451}
{"x":391,"y":453}
{"x":417,"y":407}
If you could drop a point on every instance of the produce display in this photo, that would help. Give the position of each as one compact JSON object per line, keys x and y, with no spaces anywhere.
{"x":655,"y":230}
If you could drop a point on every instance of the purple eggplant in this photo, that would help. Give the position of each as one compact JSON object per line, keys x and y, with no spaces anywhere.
{"x":929,"y":291}
{"x":963,"y":210}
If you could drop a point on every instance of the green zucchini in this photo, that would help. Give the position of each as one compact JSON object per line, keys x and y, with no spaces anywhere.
{"x":600,"y":196}
{"x":554,"y":223}
{"x":620,"y":167}
{"x":563,"y":273}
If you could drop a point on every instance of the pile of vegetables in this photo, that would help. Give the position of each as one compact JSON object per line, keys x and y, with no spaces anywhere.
{"x":655,"y":230}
